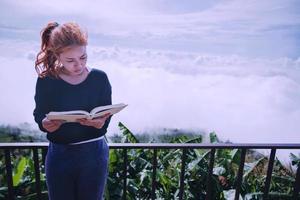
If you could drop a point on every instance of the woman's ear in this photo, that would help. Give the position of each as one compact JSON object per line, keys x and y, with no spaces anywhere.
{"x":58,"y":61}
{"x":58,"y":64}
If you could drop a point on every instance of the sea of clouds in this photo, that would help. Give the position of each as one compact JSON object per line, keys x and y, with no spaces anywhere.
{"x":242,"y":99}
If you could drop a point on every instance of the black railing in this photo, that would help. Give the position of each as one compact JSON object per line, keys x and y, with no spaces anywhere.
{"x":8,"y":147}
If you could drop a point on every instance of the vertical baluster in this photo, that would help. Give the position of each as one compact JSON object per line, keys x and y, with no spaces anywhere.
{"x":37,"y":173}
{"x":297,"y":184}
{"x":240,"y":174}
{"x":9,"y":178}
{"x":183,"y":161}
{"x":125,"y":173}
{"x":44,"y":154}
{"x":153,"y":196}
{"x":269,"y":174}
{"x":210,"y":173}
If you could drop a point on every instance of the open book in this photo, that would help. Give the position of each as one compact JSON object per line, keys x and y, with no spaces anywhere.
{"x":72,"y":116}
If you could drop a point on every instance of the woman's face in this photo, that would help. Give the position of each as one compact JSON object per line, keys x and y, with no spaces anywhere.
{"x":74,"y":60}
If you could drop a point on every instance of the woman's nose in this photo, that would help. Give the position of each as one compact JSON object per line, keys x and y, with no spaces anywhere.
{"x":77,"y":63}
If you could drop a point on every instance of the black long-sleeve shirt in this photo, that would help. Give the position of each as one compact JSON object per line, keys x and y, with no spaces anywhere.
{"x":57,"y":95}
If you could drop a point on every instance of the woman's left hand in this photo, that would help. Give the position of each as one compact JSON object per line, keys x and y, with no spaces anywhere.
{"x":96,"y":122}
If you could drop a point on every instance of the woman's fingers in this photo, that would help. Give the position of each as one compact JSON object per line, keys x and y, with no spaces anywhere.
{"x":50,"y":122}
{"x":96,"y":122}
{"x":51,"y":125}
{"x":57,"y":121}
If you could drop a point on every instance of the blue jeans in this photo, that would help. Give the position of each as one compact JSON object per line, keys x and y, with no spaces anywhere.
{"x":77,"y":172}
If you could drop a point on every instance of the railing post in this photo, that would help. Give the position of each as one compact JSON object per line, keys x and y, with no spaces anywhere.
{"x":181,"y":186}
{"x":125,"y":173}
{"x":44,"y":154}
{"x":240,"y":175}
{"x":210,"y":173}
{"x":37,"y":173}
{"x":269,"y":174}
{"x":8,"y":150}
{"x":297,"y":184}
{"x":9,"y":178}
{"x":153,"y":196}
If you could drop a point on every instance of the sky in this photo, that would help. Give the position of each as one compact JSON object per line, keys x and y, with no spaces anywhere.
{"x":226,"y":66}
{"x":253,"y":28}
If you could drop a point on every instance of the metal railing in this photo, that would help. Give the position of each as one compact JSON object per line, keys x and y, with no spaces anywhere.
{"x":8,"y":147}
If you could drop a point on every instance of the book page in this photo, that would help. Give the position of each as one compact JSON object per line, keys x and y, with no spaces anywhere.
{"x":73,"y":116}
{"x":73,"y":112}
{"x":67,"y":118}
{"x":110,"y":111}
{"x":108,"y":107}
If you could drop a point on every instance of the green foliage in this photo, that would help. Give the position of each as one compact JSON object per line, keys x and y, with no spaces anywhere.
{"x":295,"y":159}
{"x":140,"y":170}
{"x":23,"y":175}
{"x":213,"y":137}
{"x":127,"y":134}
{"x":21,"y":165}
{"x":21,"y":133}
{"x":139,"y":178}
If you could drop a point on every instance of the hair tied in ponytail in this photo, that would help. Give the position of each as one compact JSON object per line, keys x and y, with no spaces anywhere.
{"x":55,"y":39}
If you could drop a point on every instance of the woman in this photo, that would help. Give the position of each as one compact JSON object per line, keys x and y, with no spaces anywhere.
{"x":77,"y":158}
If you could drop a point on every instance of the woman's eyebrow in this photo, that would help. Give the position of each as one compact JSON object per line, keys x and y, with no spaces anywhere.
{"x":80,"y":56}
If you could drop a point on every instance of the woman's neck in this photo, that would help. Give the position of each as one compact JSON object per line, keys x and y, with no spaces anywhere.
{"x":74,"y":79}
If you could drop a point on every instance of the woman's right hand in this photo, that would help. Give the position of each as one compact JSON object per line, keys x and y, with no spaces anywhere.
{"x":51,"y":125}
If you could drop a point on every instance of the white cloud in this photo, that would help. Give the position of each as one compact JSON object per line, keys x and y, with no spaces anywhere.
{"x":242,"y":99}
{"x":191,"y":63}
{"x":246,"y":100}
